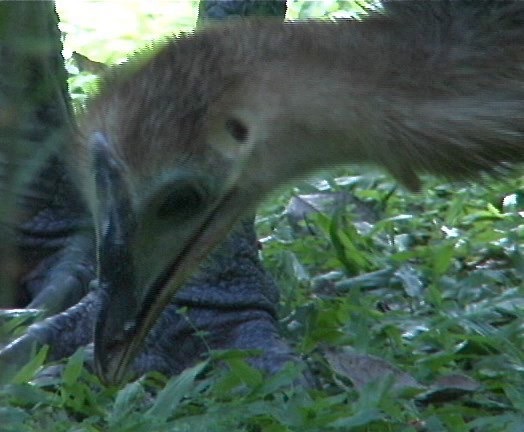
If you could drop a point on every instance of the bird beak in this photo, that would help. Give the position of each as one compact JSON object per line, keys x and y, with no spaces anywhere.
{"x":130,"y":301}
{"x":115,"y":224}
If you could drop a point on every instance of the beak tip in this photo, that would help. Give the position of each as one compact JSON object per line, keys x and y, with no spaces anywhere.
{"x":112,"y":361}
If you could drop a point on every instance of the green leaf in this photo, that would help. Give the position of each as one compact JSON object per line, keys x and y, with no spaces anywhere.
{"x":73,"y":368}
{"x":27,"y":395}
{"x":169,"y":398}
{"x":442,"y":257}
{"x":12,"y":419}
{"x":126,"y":402}
{"x":29,"y":370}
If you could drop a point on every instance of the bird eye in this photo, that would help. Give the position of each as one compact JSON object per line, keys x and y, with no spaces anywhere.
{"x":182,"y":202}
{"x":237,"y":129}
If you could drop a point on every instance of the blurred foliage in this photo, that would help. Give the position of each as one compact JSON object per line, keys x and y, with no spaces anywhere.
{"x":109,"y":31}
{"x":427,"y":291}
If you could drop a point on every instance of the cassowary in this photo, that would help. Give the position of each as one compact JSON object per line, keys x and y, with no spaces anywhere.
{"x":231,"y":303}
{"x":187,"y":138}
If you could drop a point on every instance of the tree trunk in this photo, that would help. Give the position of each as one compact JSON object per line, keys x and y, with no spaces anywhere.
{"x":35,"y":116}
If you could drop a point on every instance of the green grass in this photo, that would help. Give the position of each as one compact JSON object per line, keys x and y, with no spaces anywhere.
{"x":432,"y":316}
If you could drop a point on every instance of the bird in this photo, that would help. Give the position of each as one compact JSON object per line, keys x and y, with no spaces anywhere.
{"x":191,"y":135}
{"x":231,"y":303}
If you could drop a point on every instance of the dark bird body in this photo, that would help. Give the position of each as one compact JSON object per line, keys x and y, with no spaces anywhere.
{"x":186,"y":139}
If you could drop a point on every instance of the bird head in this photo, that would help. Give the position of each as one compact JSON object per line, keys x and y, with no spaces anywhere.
{"x":172,"y":154}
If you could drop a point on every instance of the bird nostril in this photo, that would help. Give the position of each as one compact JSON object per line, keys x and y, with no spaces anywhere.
{"x":182,"y":201}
